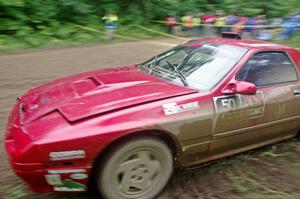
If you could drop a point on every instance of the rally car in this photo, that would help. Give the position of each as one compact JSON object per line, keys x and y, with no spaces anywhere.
{"x":125,"y":129}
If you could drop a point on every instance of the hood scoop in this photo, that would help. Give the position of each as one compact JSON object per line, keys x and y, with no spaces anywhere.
{"x":60,"y":92}
{"x":83,"y":86}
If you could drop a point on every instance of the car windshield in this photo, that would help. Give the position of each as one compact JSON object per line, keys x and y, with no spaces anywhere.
{"x":199,"y":66}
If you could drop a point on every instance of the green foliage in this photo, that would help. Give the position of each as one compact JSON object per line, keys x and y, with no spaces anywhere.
{"x":40,"y":22}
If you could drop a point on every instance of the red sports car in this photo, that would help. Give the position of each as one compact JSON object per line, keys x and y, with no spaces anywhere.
{"x":125,"y":129}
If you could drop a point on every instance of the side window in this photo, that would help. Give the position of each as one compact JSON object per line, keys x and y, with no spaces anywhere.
{"x":267,"y":68}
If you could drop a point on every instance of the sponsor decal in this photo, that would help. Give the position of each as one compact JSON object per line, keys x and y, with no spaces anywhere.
{"x":174,"y":108}
{"x":67,"y":184}
{"x":53,"y":179}
{"x":66,"y":171}
{"x":70,"y":185}
{"x":79,"y":176}
{"x":253,"y":104}
{"x":67,"y":155}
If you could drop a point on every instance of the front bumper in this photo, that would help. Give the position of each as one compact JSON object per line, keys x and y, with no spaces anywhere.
{"x":34,"y":177}
{"x":43,"y":178}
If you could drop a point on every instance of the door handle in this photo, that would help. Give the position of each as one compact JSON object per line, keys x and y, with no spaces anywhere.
{"x":296,"y":92}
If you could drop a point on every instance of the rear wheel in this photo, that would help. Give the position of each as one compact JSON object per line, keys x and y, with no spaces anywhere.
{"x":138,"y":168}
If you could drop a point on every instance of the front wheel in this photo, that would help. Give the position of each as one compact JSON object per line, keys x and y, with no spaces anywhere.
{"x":138,"y":168}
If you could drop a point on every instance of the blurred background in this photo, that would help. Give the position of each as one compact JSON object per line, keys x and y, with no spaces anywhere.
{"x":36,"y":23}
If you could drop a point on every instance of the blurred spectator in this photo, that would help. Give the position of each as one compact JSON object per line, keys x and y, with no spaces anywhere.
{"x":187,"y":23}
{"x":197,"y":24}
{"x":220,"y":23}
{"x":231,"y":20}
{"x":276,"y":22}
{"x":297,"y":20}
{"x":110,"y":25}
{"x":263,"y":32}
{"x":261,"y":22}
{"x":289,"y":26}
{"x":249,"y":27}
{"x":240,"y":25}
{"x":208,"y":19}
{"x":171,"y":22}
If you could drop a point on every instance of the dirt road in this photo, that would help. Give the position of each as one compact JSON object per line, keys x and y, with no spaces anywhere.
{"x":271,"y":172}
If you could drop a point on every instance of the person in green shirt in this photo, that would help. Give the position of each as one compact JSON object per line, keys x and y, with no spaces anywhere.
{"x":197,"y":24}
{"x":187,"y":24}
{"x":110,"y":25}
{"x":220,"y":23}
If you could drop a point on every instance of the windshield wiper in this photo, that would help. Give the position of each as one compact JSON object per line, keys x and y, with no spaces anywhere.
{"x":153,"y":64}
{"x":175,"y":68}
{"x":179,"y":74}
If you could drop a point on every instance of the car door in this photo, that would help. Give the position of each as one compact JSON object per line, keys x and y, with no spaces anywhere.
{"x":248,"y":121}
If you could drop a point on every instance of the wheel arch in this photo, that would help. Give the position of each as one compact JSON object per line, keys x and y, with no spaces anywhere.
{"x":168,"y":138}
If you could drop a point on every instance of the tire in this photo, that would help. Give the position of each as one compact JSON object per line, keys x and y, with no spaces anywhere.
{"x":138,"y":168}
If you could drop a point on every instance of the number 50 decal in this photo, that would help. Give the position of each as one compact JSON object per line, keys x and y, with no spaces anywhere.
{"x":227,"y":103}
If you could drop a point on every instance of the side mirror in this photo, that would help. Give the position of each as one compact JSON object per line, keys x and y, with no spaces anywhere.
{"x":239,"y":87}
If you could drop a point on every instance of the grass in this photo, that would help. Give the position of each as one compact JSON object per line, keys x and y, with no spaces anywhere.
{"x":293,"y":42}
{"x":256,"y":180}
{"x":263,"y":173}
{"x":73,"y":35}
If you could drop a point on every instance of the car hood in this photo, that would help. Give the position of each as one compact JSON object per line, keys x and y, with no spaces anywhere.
{"x":83,"y":95}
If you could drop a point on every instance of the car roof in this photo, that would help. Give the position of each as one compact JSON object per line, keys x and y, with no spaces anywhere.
{"x":245,"y":43}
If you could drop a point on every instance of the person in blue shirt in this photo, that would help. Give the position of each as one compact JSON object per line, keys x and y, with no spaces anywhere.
{"x":289,"y":25}
{"x":230,"y":20}
{"x":249,"y":26}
